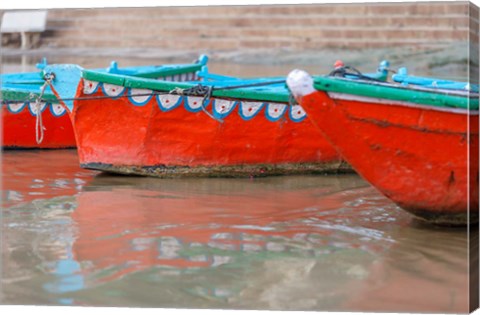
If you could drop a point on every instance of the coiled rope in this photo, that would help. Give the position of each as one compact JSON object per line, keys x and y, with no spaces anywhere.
{"x":39,"y":128}
{"x":198,"y":90}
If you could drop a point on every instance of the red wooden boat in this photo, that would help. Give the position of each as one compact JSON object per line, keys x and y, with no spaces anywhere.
{"x":417,"y":145}
{"x":23,"y":128}
{"x":136,"y":126}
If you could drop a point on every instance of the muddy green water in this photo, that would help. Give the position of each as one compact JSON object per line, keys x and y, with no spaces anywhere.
{"x":77,"y":237}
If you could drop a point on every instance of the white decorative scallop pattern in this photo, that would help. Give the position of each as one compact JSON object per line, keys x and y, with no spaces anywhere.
{"x":140,"y":96}
{"x":275,"y":111}
{"x":16,"y":107}
{"x":194,"y":103}
{"x":250,"y":109}
{"x":112,"y":90}
{"x":297,"y":113}
{"x":89,"y":87}
{"x":168,"y":101}
{"x":224,"y":107}
{"x":57,"y":109}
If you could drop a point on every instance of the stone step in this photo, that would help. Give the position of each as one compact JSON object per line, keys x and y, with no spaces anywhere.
{"x":405,"y":9}
{"x":234,"y":44}
{"x":258,"y":22}
{"x":266,"y":34}
{"x":263,"y":27}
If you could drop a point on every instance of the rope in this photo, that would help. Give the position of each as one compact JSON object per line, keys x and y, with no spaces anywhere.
{"x":198,"y":90}
{"x":291,"y":100}
{"x":250,"y":85}
{"x":348,"y":70}
{"x":39,"y":128}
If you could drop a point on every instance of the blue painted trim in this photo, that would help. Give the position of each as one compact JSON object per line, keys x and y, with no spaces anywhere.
{"x":50,"y":106}
{"x":163,"y":109}
{"x":192,"y":110}
{"x":262,"y":107}
{"x":203,"y":60}
{"x":294,"y":119}
{"x":403,"y":78}
{"x":130,"y":98}
{"x":272,"y":119}
{"x":42,"y":64}
{"x":219,"y":115}
{"x":112,"y":97}
{"x":19,"y":111}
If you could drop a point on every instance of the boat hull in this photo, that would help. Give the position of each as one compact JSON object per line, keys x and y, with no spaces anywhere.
{"x":171,"y":136}
{"x":19,"y":126}
{"x":424,"y":159}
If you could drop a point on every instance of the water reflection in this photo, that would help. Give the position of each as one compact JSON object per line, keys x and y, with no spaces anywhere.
{"x":204,"y":223}
{"x":298,"y":243}
{"x":28,"y":175}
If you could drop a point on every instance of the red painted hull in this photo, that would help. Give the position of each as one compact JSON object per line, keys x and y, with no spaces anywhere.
{"x":425,"y":160}
{"x":116,"y":135}
{"x":18,"y":129}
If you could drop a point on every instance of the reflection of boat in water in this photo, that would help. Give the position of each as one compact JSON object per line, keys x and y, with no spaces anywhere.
{"x":177,"y":225}
{"x":29,"y":175}
{"x":230,"y":243}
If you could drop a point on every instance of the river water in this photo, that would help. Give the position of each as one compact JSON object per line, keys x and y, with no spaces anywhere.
{"x":77,"y":237}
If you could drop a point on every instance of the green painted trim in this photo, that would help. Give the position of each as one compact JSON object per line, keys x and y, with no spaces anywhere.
{"x":117,"y":79}
{"x":170,"y":71}
{"x":257,"y":94}
{"x":109,"y":78}
{"x":395,"y":93}
{"x":20,"y":95}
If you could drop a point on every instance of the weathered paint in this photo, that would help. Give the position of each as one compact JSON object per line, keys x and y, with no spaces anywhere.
{"x":167,"y":135}
{"x":226,"y":171}
{"x":417,"y":156}
{"x":19,"y":126}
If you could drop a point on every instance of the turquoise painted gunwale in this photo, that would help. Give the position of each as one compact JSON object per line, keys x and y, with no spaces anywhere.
{"x":396,"y":92}
{"x":275,"y":94}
